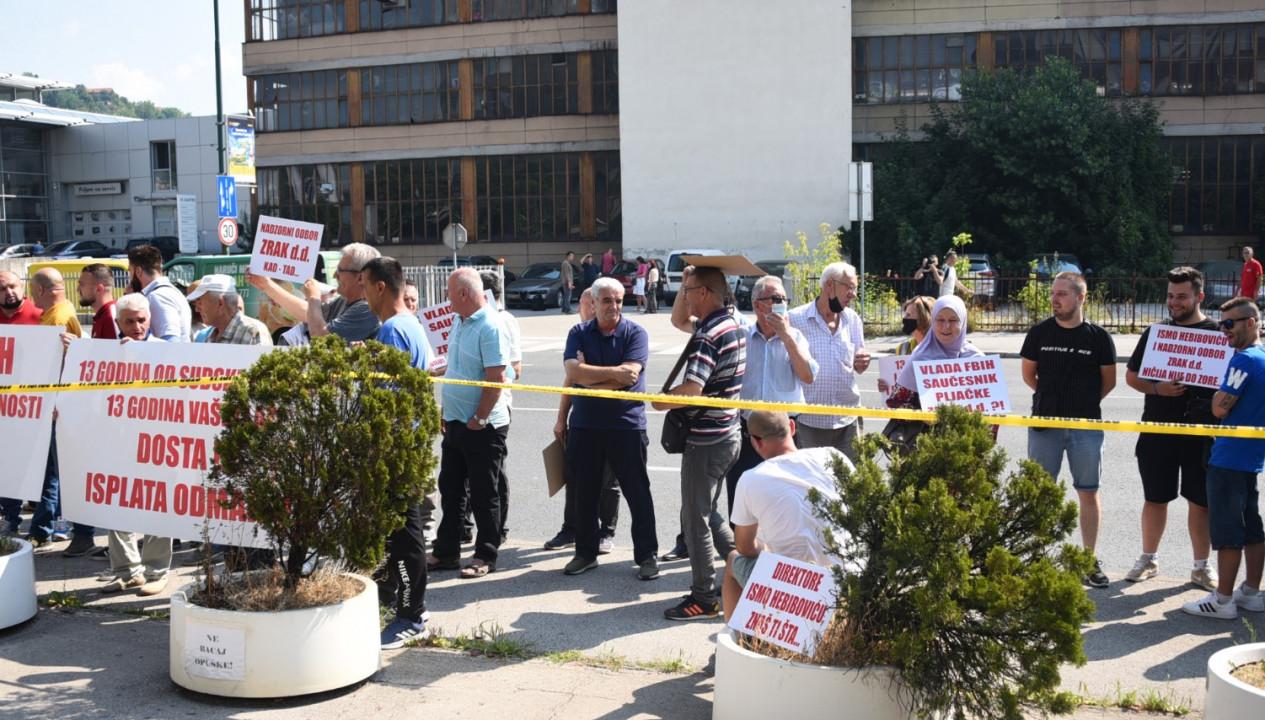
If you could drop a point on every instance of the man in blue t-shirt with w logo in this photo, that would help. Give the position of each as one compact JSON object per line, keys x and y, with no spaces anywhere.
{"x":1234,"y":515}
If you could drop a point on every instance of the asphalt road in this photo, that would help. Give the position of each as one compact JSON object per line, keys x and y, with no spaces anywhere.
{"x":535,"y":517}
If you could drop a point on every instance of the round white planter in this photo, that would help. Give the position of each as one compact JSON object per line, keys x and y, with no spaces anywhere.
{"x":17,"y":586}
{"x":1227,"y":696}
{"x":274,"y":654}
{"x":750,"y":685}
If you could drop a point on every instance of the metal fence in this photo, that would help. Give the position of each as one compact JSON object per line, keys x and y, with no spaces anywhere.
{"x":1014,"y":304}
{"x":432,"y":281}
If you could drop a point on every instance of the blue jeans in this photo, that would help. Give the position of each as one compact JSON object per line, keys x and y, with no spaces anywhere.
{"x":1084,"y":454}
{"x":11,"y":512}
{"x":1234,"y":516}
{"x":49,"y":507}
{"x":564,"y":299}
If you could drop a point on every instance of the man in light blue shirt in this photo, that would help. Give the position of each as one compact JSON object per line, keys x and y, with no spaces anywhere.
{"x":476,"y":423}
{"x":171,"y":317}
{"x":779,"y":365}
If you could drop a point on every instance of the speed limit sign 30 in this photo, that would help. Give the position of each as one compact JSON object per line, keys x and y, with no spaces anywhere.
{"x":227,"y":230}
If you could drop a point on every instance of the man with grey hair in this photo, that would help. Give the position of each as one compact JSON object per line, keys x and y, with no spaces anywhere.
{"x":347,"y":316}
{"x":779,"y":367}
{"x":217,"y":301}
{"x":772,"y":510}
{"x":836,"y":340}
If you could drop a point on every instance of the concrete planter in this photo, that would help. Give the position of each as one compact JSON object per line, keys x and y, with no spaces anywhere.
{"x":750,"y":685}
{"x":1228,"y":697}
{"x":274,"y":654}
{"x":17,"y":585}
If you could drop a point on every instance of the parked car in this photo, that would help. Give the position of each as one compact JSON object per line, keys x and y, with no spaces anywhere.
{"x":537,"y":287}
{"x":676,"y":265}
{"x":1047,"y":265}
{"x":1221,"y":281}
{"x":980,"y":275}
{"x":77,"y":249}
{"x":70,"y":268}
{"x":746,"y":283}
{"x":625,"y":271}
{"x":477,"y":261}
{"x":168,"y":245}
{"x":20,"y":250}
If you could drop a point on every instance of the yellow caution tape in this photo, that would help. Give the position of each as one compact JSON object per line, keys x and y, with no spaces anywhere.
{"x":1236,"y":431}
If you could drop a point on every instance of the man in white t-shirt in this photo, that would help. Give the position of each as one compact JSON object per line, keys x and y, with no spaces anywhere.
{"x":771,"y":507}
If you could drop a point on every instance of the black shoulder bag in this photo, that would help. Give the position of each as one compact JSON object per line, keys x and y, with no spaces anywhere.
{"x":676,"y":424}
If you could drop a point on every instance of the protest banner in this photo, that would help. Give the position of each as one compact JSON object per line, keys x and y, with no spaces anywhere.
{"x":286,"y":249}
{"x":437,"y":321}
{"x":787,"y":602}
{"x":29,"y":355}
{"x":977,"y":383}
{"x":1189,"y":356}
{"x":889,"y":368}
{"x":137,"y":459}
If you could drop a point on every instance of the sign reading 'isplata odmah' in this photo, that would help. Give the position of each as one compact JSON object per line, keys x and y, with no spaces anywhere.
{"x":137,"y":459}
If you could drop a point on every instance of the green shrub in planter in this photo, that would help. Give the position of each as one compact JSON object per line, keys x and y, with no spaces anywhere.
{"x":966,"y":585}
{"x":328,"y":445}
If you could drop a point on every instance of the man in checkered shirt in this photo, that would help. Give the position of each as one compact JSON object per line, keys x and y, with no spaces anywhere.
{"x":836,"y":342}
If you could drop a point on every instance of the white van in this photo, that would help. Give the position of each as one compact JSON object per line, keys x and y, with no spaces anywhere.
{"x":675,"y":267}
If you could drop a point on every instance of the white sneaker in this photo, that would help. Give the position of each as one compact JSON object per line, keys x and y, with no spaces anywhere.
{"x":1145,"y":568}
{"x":1204,"y":577}
{"x":1251,"y":603}
{"x":1208,"y":606}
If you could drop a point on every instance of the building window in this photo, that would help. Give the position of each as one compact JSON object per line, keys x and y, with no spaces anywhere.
{"x":411,"y":201}
{"x":315,"y":193}
{"x":287,"y":19}
{"x":606,"y":82}
{"x":23,"y":186}
{"x":528,"y":197}
{"x":1209,"y":60}
{"x":525,"y":86}
{"x":403,"y":94}
{"x":1215,"y":180}
{"x":391,"y":14}
{"x":911,"y":68}
{"x":162,"y":165}
{"x":603,"y":6}
{"x":487,"y":10}
{"x":301,"y":101}
{"x":609,"y":219}
{"x":1095,"y":52}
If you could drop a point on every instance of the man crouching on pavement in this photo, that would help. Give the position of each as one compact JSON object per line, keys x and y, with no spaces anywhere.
{"x":771,"y":506}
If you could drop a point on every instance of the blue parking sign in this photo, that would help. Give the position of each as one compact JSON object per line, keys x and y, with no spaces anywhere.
{"x":226,"y":190}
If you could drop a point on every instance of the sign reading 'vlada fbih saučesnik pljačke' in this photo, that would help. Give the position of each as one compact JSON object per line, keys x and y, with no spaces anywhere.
{"x":137,"y":459}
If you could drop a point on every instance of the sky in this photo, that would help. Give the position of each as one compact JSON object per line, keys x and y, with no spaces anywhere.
{"x":157,"y":50}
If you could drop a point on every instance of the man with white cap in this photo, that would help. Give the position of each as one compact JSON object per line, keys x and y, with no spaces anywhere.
{"x":216,"y":301}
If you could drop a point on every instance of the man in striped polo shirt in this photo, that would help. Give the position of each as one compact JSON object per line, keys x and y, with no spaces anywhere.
{"x":716,"y":361}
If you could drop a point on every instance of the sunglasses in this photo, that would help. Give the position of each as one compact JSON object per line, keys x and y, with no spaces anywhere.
{"x":1228,"y":323}
{"x":773,"y":299}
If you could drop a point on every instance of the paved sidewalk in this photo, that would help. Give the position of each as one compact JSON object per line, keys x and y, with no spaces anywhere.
{"x":106,"y":660}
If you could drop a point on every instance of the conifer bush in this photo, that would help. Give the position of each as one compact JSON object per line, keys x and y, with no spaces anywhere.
{"x":328,"y":445}
{"x":960,"y":578}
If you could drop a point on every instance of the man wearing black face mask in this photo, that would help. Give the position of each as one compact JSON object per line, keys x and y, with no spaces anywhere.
{"x":837,"y":343}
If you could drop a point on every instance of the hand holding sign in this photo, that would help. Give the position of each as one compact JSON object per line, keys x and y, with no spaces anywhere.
{"x":976,"y":382}
{"x":1188,"y":356}
{"x":286,"y":249}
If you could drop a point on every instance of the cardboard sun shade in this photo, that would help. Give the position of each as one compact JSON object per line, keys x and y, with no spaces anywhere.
{"x":728,"y":264}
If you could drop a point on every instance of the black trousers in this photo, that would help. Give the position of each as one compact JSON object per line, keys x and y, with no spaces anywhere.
{"x":589,"y":452}
{"x":470,"y":459}
{"x":607,"y":507}
{"x":402,"y":580}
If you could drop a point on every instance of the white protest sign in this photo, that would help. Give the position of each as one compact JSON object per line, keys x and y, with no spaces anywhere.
{"x":977,"y":383}
{"x":215,"y":652}
{"x":889,"y":368}
{"x":787,"y":602}
{"x":437,"y":321}
{"x":286,"y":249}
{"x":1186,"y":355}
{"x":136,"y":459}
{"x":29,"y":355}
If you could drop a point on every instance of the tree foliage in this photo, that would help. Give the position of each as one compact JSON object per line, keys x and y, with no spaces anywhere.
{"x":107,"y":102}
{"x":1028,"y":163}
{"x":965,"y":584}
{"x":328,"y":446}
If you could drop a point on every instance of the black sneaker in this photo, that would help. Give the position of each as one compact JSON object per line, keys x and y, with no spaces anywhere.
{"x":564,"y":539}
{"x":80,"y":545}
{"x":1096,"y":577}
{"x":678,"y":552}
{"x":691,"y":609}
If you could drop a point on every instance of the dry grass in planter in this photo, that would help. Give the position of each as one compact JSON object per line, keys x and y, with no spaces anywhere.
{"x":266,"y":591}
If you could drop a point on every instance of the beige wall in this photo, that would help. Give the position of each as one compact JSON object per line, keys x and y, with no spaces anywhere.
{"x":459,"y":40}
{"x":906,"y":12}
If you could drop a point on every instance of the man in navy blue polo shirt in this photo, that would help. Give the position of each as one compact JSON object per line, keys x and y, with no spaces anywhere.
{"x":609,"y":352}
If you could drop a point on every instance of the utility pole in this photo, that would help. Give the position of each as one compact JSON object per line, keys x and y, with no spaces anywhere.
{"x":219,"y":92}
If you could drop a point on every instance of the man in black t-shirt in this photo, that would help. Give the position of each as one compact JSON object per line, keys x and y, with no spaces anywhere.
{"x":1162,"y":458}
{"x":1070,"y":364}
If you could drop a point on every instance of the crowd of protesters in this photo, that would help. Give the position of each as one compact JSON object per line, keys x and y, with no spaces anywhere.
{"x":765,"y":462}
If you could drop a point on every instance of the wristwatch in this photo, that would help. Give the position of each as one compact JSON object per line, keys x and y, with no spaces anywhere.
{"x":483,"y":422}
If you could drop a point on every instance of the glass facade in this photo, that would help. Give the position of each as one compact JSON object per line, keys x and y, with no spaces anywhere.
{"x":378,"y":15}
{"x":411,"y":201}
{"x":1209,"y":60}
{"x":912,"y":68}
{"x":1216,"y":182}
{"x":526,"y":86}
{"x":1095,"y":52}
{"x":301,"y":101}
{"x":23,"y":185}
{"x":606,"y":82}
{"x":315,"y":193}
{"x":288,"y":19}
{"x":405,"y":94}
{"x":529,"y":197}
